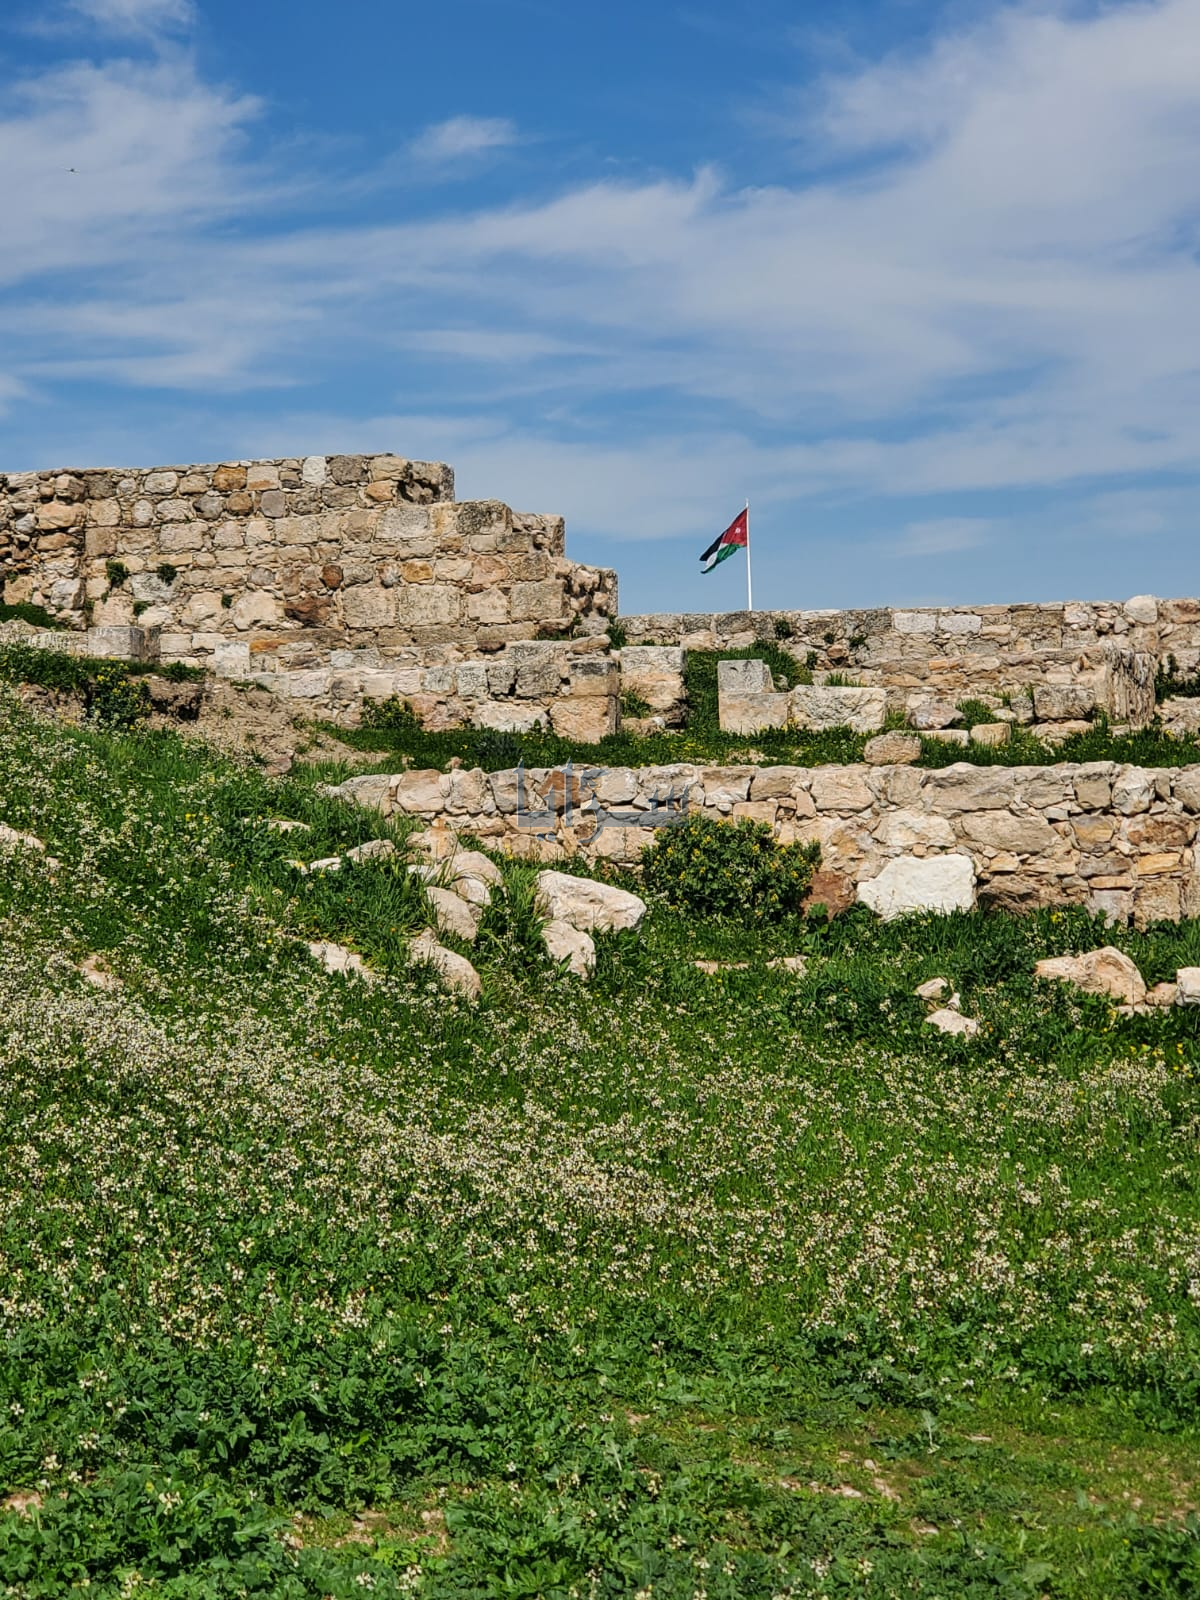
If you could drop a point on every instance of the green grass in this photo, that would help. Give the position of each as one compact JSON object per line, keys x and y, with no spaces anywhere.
{"x":24,"y":611}
{"x":746,"y":1283}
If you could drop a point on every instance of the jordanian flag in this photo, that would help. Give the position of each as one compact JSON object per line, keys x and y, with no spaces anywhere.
{"x":735,"y":537}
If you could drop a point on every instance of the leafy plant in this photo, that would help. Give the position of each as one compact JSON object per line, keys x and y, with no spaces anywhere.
{"x":782,"y":628}
{"x":718,"y":869}
{"x":166,"y":573}
{"x":394,"y":715}
{"x":25,"y":611}
{"x":633,"y":705}
{"x":115,"y":700}
{"x":617,"y":637}
{"x":116,"y":572}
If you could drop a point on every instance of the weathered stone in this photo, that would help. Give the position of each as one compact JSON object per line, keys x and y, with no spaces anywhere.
{"x":991,"y":734}
{"x":952,"y":1022}
{"x":927,"y":715}
{"x":454,"y":914}
{"x":455,"y":971}
{"x":899,"y":829}
{"x":372,"y":850}
{"x":588,"y":721}
{"x":892,"y":749}
{"x":586,"y":904}
{"x":751,"y":713}
{"x":1001,"y":830}
{"x":932,"y":989}
{"x":1063,"y":702}
{"x":911,"y":884}
{"x":817,"y":707}
{"x":1187,"y":985}
{"x":1106,"y":971}
{"x":744,"y":678}
{"x":566,"y":943}
{"x":336,"y":958}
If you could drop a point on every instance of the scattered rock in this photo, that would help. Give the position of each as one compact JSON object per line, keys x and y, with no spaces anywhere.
{"x":326,"y":864}
{"x":474,"y":864}
{"x":474,"y":890}
{"x":13,"y":839}
{"x":1187,"y":981}
{"x":934,"y":715}
{"x":372,"y":850}
{"x":1106,"y":971}
{"x":336,"y":958}
{"x":892,"y":750}
{"x":1164,"y":994}
{"x":991,"y":733}
{"x":24,"y":1502}
{"x":921,"y":883}
{"x":287,"y":825}
{"x":455,"y":971}
{"x":790,"y":963}
{"x":947,"y":1021}
{"x":587,"y":905}
{"x":932,"y":989}
{"x":94,"y":970}
{"x":454,"y":914}
{"x":836,"y":891}
{"x":577,"y":949}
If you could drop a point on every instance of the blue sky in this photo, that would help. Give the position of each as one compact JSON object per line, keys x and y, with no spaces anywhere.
{"x":919,"y":280}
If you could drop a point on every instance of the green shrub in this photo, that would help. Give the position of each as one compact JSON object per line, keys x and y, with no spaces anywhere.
{"x":116,"y":572}
{"x":719,"y":869}
{"x":116,"y":700}
{"x":394,"y":714}
{"x":783,"y":628}
{"x":632,"y":705}
{"x":617,"y":637}
{"x":973,"y":712}
{"x":166,"y":573}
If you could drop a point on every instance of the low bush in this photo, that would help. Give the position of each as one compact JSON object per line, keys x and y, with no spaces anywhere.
{"x":718,"y":869}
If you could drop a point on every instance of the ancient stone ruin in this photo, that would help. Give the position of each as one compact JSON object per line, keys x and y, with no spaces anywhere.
{"x":334,"y":581}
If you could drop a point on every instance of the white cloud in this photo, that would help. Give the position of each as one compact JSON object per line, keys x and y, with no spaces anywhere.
{"x":137,"y":16}
{"x":462,"y":138}
{"x":994,"y":284}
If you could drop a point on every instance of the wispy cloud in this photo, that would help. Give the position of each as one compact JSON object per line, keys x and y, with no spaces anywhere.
{"x":462,"y":139}
{"x":941,"y":536}
{"x":136,"y":17}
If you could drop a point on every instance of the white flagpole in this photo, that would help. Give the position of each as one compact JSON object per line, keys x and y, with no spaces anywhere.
{"x":749,"y":579}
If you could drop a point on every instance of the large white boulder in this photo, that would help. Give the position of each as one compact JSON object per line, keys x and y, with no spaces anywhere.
{"x":565,"y":943}
{"x":916,"y":883}
{"x":587,"y":905}
{"x":455,"y":971}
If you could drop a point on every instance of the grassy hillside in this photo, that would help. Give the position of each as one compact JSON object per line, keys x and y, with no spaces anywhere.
{"x":677,"y":1285}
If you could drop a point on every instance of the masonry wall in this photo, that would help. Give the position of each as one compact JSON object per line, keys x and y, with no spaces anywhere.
{"x":954,"y":652}
{"x":281,"y":563}
{"x":1120,"y":840}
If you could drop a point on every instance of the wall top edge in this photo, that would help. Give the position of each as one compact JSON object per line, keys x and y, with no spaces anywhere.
{"x":732,"y":621}
{"x":434,"y":467}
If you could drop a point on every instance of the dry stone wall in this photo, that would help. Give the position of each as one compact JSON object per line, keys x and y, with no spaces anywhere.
{"x":1118,"y":839}
{"x":1101,"y":654}
{"x":278,"y":564}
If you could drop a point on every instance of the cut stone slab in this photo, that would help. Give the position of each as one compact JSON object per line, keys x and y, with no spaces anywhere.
{"x":818,"y":706}
{"x":947,"y":1021}
{"x":336,"y":958}
{"x":892,"y":750}
{"x":577,"y":949}
{"x":751,"y":713}
{"x":453,"y":914}
{"x":1106,"y":971}
{"x":587,"y":905}
{"x":913,"y":883}
{"x":455,"y":971}
{"x":991,"y":733}
{"x":744,"y":677}
{"x":1187,"y":980}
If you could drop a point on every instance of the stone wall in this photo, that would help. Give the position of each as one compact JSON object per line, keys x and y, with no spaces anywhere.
{"x":281,"y":563}
{"x":1120,"y":840}
{"x":1107,"y":650}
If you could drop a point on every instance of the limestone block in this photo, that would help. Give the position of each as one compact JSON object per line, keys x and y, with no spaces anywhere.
{"x":991,"y":734}
{"x":1106,"y":971}
{"x":538,"y":678}
{"x":424,"y":604}
{"x":750,"y":713}
{"x":963,"y":787}
{"x":774,"y":783}
{"x":927,"y":714}
{"x":305,"y":685}
{"x":892,"y":749}
{"x":572,"y":945}
{"x":418,"y":792}
{"x":124,"y":643}
{"x":1142,"y":608}
{"x":912,"y":884}
{"x":593,"y":678}
{"x":739,"y":677}
{"x":1063,"y":702}
{"x":1187,"y":981}
{"x":505,"y":717}
{"x":588,"y":720}
{"x":471,"y":680}
{"x":901,"y":830}
{"x":336,"y":958}
{"x":756,"y":811}
{"x":453,"y":914}
{"x":161,"y":483}
{"x":1187,"y":788}
{"x":455,"y":971}
{"x":587,"y":905}
{"x":1001,"y":830}
{"x":255,"y":609}
{"x":538,"y":602}
{"x":841,"y":789}
{"x":817,"y":706}
{"x":1129,"y":686}
{"x":960,"y":622}
{"x":1180,"y":715}
{"x":655,"y":674}
{"x":1133,"y":791}
{"x":910,"y":622}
